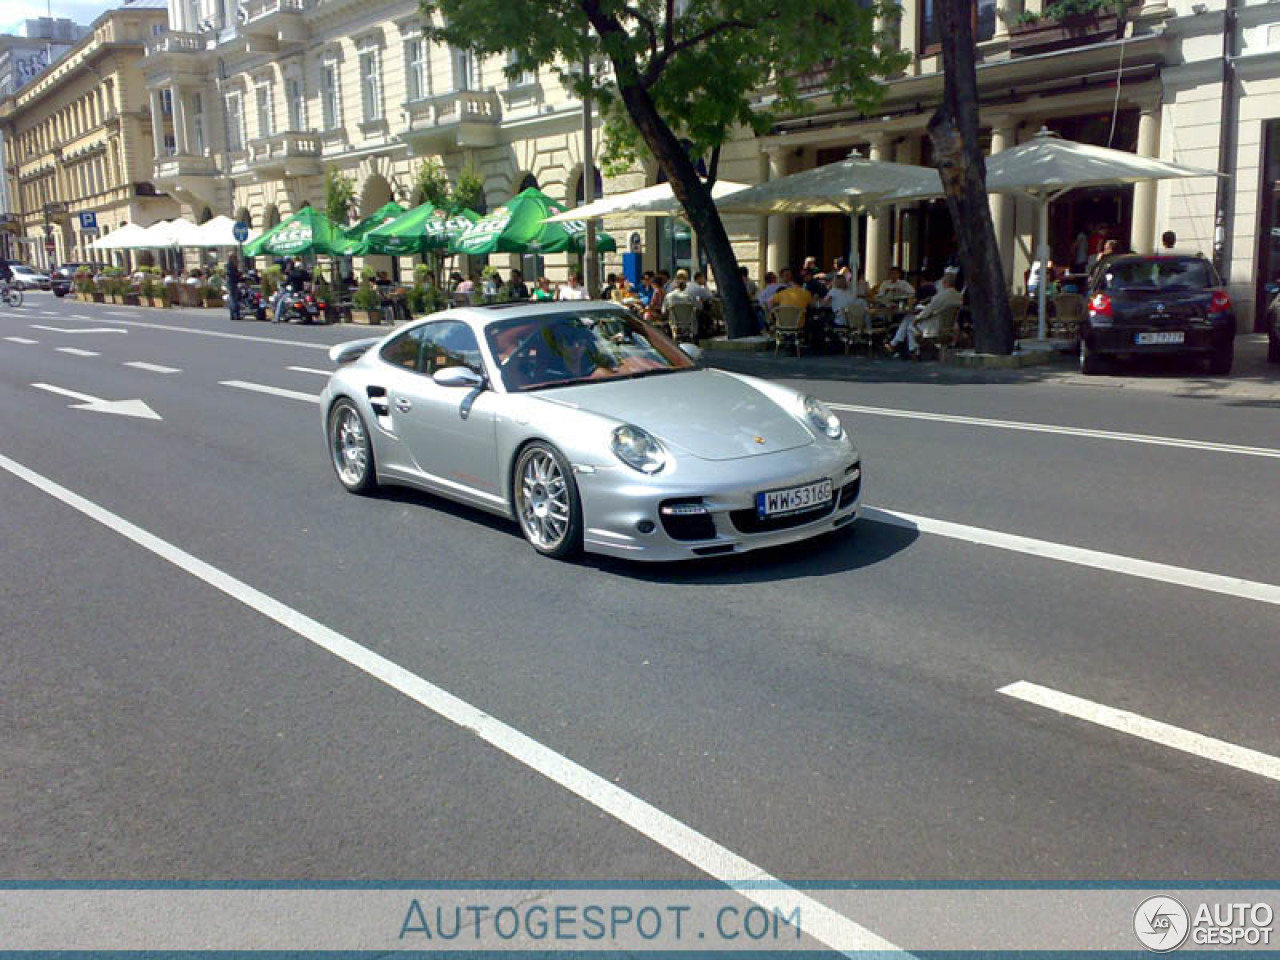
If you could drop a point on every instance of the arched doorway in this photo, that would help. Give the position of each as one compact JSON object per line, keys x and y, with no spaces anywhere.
{"x":375,"y":194}
{"x":597,"y":187}
{"x":205,"y":215}
{"x":530,"y":182}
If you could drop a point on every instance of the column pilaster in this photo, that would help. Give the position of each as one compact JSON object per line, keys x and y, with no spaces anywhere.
{"x":1142,"y":232}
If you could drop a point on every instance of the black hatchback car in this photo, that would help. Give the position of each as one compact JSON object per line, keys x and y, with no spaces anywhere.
{"x":63,"y":278}
{"x":1141,"y":304}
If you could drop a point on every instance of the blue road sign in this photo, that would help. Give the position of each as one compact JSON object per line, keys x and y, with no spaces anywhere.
{"x":240,"y":231}
{"x":89,"y":221}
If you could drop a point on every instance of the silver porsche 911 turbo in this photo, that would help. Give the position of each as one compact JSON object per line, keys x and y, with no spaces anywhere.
{"x":591,"y":430}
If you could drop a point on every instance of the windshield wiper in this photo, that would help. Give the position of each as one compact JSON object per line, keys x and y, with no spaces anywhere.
{"x":654,"y":372}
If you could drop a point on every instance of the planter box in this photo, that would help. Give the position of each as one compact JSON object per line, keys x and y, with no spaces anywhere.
{"x":98,"y":297}
{"x":1076,"y":31}
{"x":189,"y":296}
{"x":373,"y":317}
{"x":158,"y":301}
{"x":132,"y":300}
{"x":213,"y":302}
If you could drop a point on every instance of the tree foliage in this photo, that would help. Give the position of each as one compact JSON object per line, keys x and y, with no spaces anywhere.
{"x":339,"y":195}
{"x":433,"y":186}
{"x":680,"y":77}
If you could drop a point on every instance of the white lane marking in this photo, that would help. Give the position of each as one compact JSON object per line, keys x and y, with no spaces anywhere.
{"x":272,"y":391}
{"x":821,"y":922}
{"x":323,"y":373}
{"x":125,"y":408}
{"x":1197,"y":744}
{"x":1157,"y":441}
{"x":1113,"y":562}
{"x":279,"y":342}
{"x":41,"y":326}
{"x":152,"y":367}
{"x":81,"y":316}
{"x":117,"y":313}
{"x":23,"y":340}
{"x":77,"y":352}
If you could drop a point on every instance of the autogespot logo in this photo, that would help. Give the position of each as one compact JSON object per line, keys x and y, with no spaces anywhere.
{"x":1161,"y":924}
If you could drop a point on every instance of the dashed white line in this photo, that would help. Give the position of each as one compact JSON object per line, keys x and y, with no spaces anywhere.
{"x":22,"y":340}
{"x":1151,"y":440}
{"x":752,"y":882}
{"x":152,"y":367}
{"x":323,"y":373}
{"x":271,"y":391}
{"x":80,"y":316}
{"x":77,"y":352}
{"x":276,"y":341}
{"x":1113,"y":562}
{"x":1176,"y":738}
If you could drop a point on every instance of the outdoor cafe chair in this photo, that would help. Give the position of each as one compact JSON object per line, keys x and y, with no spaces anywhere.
{"x":1068,"y":311}
{"x":943,"y":338}
{"x":788,"y":326}
{"x":683,"y":317}
{"x":1020,"y":306}
{"x":856,"y":328}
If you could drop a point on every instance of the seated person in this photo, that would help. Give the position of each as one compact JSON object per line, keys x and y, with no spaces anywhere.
{"x":571,"y":354}
{"x":790,"y":295}
{"x":573,"y":289}
{"x":698,"y":288}
{"x":926,"y":323}
{"x":542,"y":290}
{"x":842,"y":296}
{"x":771,"y":286}
{"x":895,"y":290}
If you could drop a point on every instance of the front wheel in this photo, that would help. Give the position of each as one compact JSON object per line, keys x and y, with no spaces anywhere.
{"x":350,"y":448}
{"x":13,"y":297}
{"x":546,"y":500}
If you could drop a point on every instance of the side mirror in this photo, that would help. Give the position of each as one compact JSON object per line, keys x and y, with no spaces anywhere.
{"x":693,"y":351}
{"x":341,"y":353}
{"x":458,"y":377}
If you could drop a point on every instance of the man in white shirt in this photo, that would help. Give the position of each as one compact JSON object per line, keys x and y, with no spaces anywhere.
{"x":895,"y":288}
{"x":573,"y":290}
{"x":698,"y":289}
{"x":928,"y":321}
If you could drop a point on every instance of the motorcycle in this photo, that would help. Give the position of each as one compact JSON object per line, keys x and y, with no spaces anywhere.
{"x":300,"y":307}
{"x":250,"y":302}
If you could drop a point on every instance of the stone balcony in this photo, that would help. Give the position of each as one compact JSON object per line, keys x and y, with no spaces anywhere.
{"x":268,"y":23}
{"x":176,"y":42}
{"x":173,"y":169}
{"x":284,"y":155}
{"x":461,"y":118}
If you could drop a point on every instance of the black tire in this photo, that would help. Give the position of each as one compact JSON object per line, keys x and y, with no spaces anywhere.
{"x":351,"y":448}
{"x":59,"y":294}
{"x":1090,"y":362}
{"x":545,"y":501}
{"x":1221,"y":358}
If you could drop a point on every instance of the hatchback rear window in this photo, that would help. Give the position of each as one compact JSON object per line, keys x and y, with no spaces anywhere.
{"x":1159,"y":275}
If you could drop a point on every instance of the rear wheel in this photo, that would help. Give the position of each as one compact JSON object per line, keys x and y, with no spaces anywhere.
{"x":1220,"y":359}
{"x":546,"y":500}
{"x":1090,"y":362}
{"x":13,"y":297}
{"x":350,"y":448}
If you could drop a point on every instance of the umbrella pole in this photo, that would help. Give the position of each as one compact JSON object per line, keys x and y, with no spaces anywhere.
{"x":1044,"y":266}
{"x":855,"y":264}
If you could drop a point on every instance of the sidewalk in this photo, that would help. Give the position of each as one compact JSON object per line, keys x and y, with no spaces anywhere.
{"x":1251,"y":379}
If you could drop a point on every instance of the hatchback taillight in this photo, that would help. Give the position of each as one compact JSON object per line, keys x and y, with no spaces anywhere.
{"x":1100,"y":305}
{"x":1220,"y":302}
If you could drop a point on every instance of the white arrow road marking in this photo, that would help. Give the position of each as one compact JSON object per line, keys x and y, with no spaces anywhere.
{"x":125,"y":408}
{"x":1176,"y":738}
{"x":77,"y":352}
{"x":21,"y":340}
{"x":323,"y":373}
{"x":271,"y":391}
{"x":151,"y":367}
{"x":41,"y":326}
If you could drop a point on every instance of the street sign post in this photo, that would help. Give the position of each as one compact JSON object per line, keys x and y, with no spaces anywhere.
{"x":240,"y":231}
{"x":89,"y":222}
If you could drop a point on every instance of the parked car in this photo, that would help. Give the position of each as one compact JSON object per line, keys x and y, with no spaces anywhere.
{"x":1152,"y":304}
{"x":1273,"y":323}
{"x":24,"y":278}
{"x":63,"y":279}
{"x":591,"y":430}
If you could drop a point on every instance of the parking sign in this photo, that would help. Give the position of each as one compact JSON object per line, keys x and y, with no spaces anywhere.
{"x":89,"y":222}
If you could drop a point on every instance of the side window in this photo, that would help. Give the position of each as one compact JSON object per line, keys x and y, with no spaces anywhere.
{"x":450,"y":344}
{"x":403,"y":350}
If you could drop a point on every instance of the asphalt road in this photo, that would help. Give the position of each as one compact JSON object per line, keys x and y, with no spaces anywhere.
{"x":828,"y":711}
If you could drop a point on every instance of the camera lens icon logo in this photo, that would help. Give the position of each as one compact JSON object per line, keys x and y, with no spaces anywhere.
{"x":1161,"y":924}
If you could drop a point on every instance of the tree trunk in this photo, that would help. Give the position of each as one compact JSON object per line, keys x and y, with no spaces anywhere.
{"x":953,"y":129}
{"x":695,"y":197}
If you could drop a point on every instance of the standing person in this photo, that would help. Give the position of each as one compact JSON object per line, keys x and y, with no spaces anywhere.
{"x":234,"y":279}
{"x":1080,"y":253}
{"x":1168,"y":242}
{"x":753,"y":288}
{"x":1097,"y":240}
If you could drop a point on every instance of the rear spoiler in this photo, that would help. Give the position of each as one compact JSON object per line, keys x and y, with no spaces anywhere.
{"x":341,"y":353}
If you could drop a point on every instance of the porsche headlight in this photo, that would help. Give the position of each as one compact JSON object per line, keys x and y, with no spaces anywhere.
{"x":638,"y":449}
{"x":822,"y":418}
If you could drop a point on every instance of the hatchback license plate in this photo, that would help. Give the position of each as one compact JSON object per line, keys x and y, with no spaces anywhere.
{"x":776,"y":503}
{"x":1168,"y":336}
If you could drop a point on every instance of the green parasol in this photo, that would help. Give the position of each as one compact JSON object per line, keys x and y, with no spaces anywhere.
{"x":360,"y":232}
{"x":419,"y":231}
{"x":518,"y":227}
{"x":307,"y":233}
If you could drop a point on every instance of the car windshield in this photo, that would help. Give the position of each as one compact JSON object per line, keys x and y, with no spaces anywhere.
{"x":555,"y":349}
{"x":1159,"y":274}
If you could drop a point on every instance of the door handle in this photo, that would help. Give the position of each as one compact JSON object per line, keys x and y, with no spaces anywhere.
{"x":403,"y":405}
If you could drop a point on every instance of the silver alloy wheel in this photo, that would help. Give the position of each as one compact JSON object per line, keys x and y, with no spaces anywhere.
{"x":350,"y":446}
{"x":542,"y":500}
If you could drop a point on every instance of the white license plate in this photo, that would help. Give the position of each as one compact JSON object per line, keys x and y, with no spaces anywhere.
{"x":775,"y":503}
{"x":1166,"y":336}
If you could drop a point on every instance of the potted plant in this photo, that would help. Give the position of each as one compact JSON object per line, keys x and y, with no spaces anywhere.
{"x":1066,"y":23}
{"x":147,"y":289}
{"x":114,"y":284}
{"x":366,"y":303}
{"x":211,"y":291}
{"x":83,"y":281}
{"x":324,"y":295}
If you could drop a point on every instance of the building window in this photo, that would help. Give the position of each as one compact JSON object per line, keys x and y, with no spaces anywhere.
{"x":331,"y":94}
{"x":522,"y":79}
{"x":371,"y":85}
{"x":465,"y":75}
{"x":297,"y":98}
{"x":266,"y":121}
{"x":984,"y":24}
{"x":166,"y":102}
{"x":170,"y":145}
{"x":415,"y":68}
{"x":235,"y":122}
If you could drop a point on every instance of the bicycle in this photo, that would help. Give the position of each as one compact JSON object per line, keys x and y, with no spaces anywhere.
{"x":10,"y":296}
